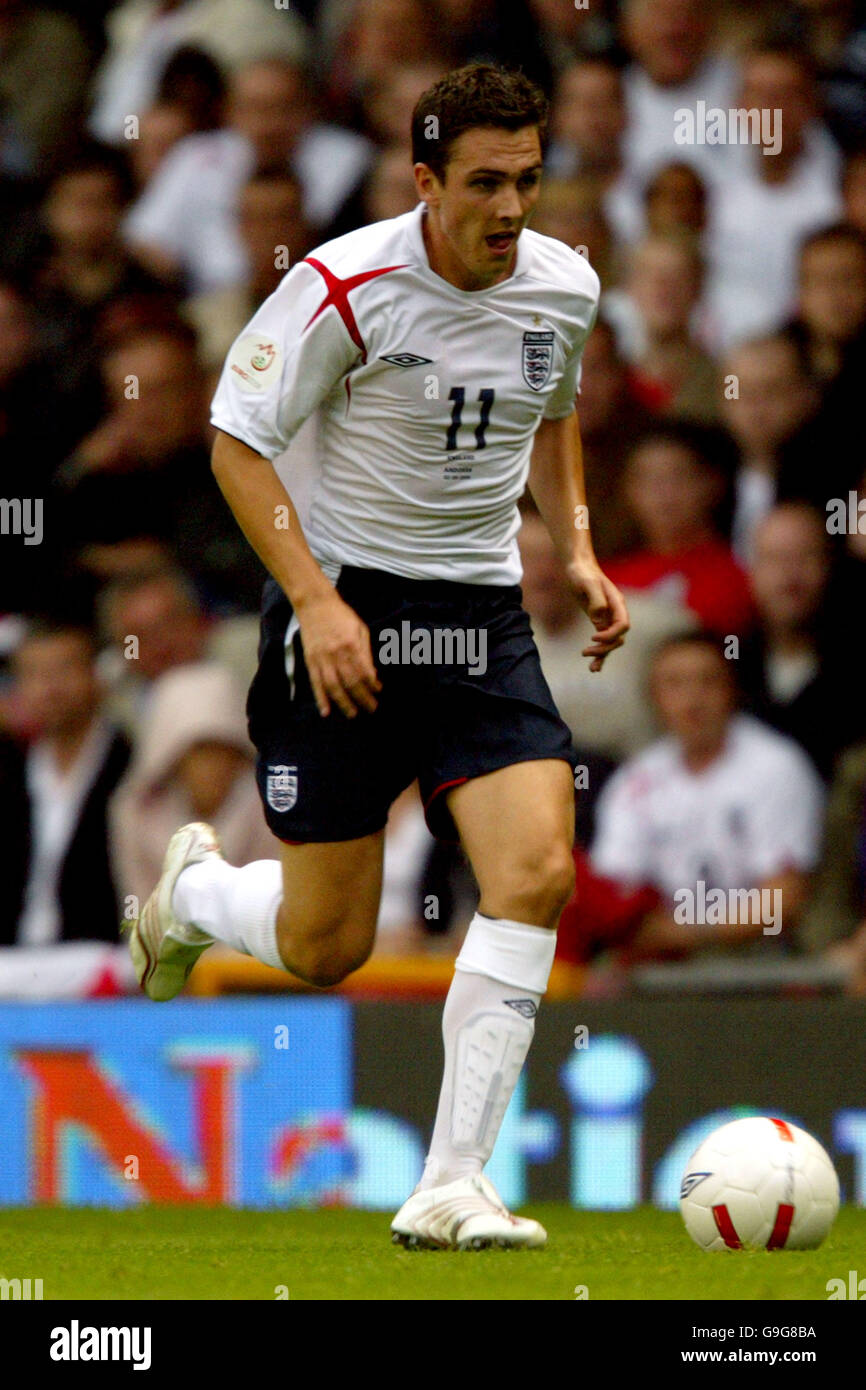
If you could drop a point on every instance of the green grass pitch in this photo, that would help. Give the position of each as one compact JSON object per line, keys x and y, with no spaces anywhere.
{"x":198,"y":1253}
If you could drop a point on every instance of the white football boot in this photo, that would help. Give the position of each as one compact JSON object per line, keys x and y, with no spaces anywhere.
{"x":163,"y":950}
{"x":467,"y":1214}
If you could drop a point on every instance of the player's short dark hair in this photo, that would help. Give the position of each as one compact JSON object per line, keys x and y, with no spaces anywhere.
{"x":839,"y":234}
{"x":477,"y":96}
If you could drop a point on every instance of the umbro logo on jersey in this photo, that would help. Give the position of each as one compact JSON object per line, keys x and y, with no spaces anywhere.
{"x":537,"y":359}
{"x":526,"y":1007}
{"x":406,"y":359}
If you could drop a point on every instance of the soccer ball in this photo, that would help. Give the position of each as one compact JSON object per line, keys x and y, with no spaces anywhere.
{"x":759,"y":1184}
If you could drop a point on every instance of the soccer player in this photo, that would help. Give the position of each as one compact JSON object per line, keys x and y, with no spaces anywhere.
{"x":441,"y":352}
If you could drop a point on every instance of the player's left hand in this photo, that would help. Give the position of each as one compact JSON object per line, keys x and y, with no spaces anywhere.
{"x":605,"y":607}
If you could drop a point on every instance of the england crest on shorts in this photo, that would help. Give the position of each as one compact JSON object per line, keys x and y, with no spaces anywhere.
{"x":537,"y":359}
{"x":282,"y":786}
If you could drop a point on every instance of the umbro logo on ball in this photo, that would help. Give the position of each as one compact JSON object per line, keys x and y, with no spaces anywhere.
{"x":690,"y":1181}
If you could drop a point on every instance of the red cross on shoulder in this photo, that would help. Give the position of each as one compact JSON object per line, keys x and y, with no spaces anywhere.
{"x":338,"y":295}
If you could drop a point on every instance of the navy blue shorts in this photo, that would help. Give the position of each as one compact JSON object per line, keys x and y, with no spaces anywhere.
{"x":462,"y":694}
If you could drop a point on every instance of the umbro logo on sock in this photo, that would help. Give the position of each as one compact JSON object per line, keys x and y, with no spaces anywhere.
{"x":526,"y":1007}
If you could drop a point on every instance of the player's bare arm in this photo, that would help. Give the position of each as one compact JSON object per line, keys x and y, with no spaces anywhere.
{"x":336,"y":641}
{"x":557,"y":486}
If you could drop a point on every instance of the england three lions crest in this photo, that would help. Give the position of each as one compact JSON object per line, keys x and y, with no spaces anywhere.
{"x":282,"y":786}
{"x":537,"y":359}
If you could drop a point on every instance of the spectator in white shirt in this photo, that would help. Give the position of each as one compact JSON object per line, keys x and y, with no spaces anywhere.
{"x":658,"y":317}
{"x":773,"y":196}
{"x":588,"y":124}
{"x":186,"y":220}
{"x":143,"y":35}
{"x":721,"y":803}
{"x":73,"y":760}
{"x":675,"y":66}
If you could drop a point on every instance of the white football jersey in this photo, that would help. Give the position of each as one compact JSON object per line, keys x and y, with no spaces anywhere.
{"x":427,"y":396}
{"x":753,"y":813}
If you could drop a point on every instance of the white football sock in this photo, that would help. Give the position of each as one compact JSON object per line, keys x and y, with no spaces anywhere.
{"x":237,"y":906}
{"x":487,"y":1026}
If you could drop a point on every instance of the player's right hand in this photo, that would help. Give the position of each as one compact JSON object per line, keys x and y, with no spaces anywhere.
{"x":339,"y":657}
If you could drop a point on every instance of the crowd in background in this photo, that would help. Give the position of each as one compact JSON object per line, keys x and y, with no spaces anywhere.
{"x":161,"y":166}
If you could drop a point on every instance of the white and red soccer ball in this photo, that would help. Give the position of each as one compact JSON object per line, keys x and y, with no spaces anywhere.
{"x":759,"y":1184}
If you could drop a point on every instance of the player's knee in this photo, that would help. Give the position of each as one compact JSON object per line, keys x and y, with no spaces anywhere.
{"x":324,"y":953}
{"x":541,"y":885}
{"x":559,"y":880}
{"x":332,"y":966}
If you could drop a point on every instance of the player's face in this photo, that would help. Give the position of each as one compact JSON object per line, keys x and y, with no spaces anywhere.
{"x":478,"y":211}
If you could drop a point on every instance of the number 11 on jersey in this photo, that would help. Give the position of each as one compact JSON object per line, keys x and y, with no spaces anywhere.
{"x":457,"y":394}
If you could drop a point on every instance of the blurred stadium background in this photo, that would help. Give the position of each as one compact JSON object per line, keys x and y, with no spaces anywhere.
{"x":161,"y":166}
